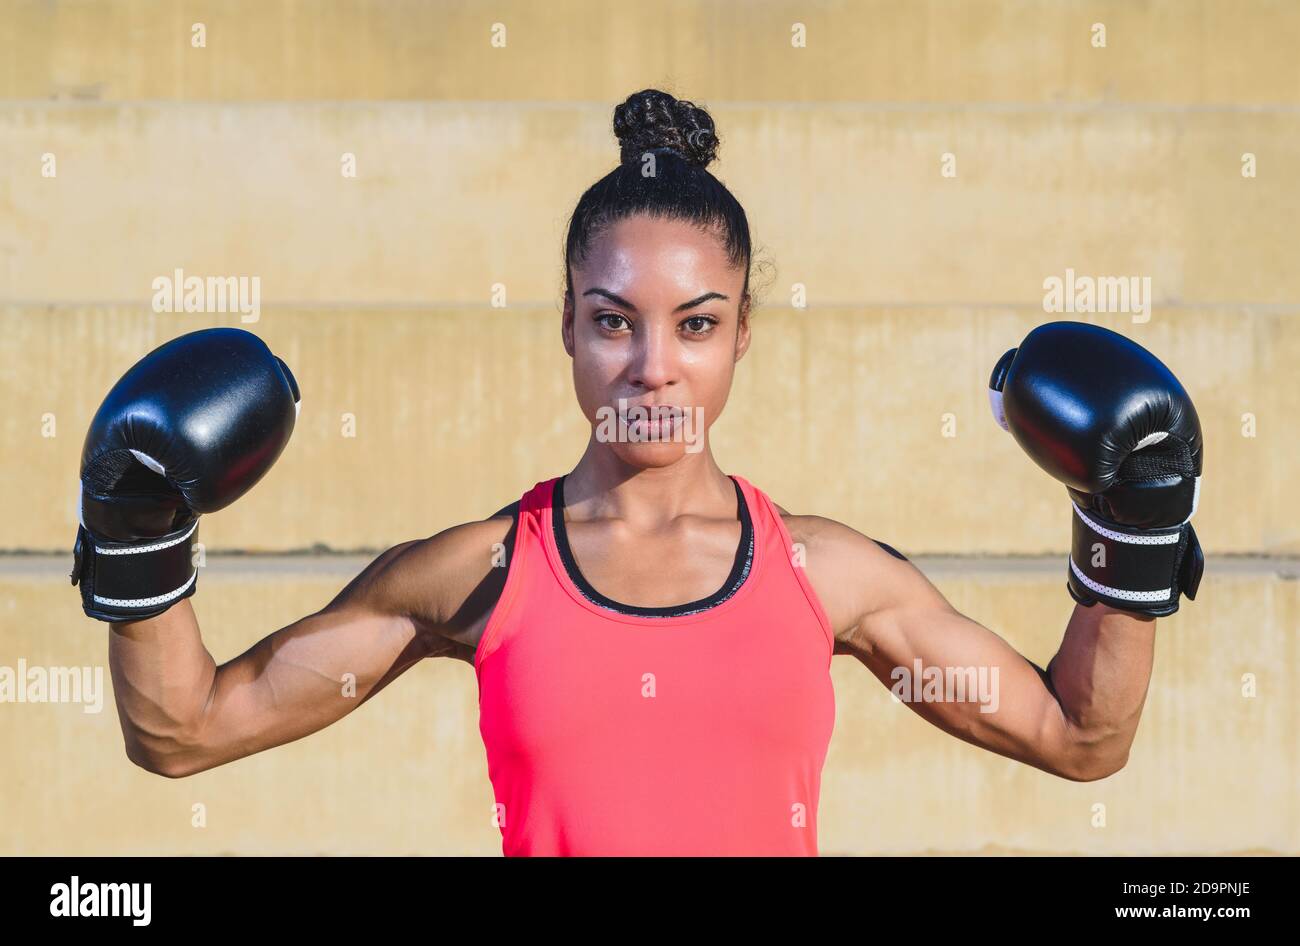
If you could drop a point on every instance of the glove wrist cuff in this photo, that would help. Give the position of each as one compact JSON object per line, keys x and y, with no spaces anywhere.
{"x":1140,"y":570}
{"x":130,"y":581}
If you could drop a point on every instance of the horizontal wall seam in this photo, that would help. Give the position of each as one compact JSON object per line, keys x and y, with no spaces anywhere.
{"x":1282,"y":108}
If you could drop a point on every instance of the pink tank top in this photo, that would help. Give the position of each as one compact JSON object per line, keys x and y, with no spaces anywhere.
{"x":695,"y":730}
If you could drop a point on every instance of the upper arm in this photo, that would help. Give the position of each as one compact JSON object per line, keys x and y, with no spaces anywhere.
{"x":889,"y":616}
{"x":405,"y":605}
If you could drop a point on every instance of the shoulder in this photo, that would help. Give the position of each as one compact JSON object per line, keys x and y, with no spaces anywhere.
{"x":830,"y":535}
{"x":468,"y":547}
{"x":852,"y":574}
{"x":445,"y":581}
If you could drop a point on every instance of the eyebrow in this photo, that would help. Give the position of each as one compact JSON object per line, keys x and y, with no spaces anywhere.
{"x":619,"y":300}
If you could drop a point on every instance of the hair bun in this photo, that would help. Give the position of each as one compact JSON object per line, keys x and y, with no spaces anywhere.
{"x":652,"y":119}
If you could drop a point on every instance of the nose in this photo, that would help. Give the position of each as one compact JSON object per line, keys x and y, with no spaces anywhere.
{"x":654,"y":359}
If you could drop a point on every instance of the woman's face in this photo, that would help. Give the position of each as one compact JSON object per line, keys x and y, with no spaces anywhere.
{"x":656,"y":319}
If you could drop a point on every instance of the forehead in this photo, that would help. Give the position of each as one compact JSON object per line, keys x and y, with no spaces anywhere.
{"x":645,"y":249}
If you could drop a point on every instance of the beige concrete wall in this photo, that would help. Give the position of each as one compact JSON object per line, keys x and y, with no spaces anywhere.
{"x":225,"y":160}
{"x":458,"y":410}
{"x":1182,"y":52}
{"x":452,"y":198}
{"x":1213,"y":770}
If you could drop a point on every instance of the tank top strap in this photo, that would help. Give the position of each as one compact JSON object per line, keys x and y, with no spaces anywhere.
{"x":782,"y":552}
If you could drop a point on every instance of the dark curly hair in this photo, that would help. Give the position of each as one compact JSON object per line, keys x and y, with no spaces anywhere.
{"x":681,"y":137}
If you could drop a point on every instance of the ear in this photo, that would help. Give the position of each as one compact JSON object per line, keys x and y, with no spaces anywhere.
{"x":566,"y":322}
{"x":742,"y":326}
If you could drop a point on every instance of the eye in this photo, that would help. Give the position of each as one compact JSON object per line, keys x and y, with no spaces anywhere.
{"x":604,"y":319}
{"x":700,"y":324}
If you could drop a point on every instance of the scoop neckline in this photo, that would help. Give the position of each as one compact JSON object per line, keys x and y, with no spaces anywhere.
{"x":744,"y":563}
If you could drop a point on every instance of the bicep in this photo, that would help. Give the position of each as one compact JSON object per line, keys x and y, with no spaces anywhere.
{"x":949,"y":669}
{"x":961,"y":677}
{"x":313,"y":672}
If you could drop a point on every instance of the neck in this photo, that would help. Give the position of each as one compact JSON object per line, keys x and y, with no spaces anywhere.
{"x":602,"y":486}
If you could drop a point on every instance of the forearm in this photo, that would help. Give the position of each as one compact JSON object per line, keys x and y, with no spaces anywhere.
{"x":163,"y":677}
{"x":1099,"y":677}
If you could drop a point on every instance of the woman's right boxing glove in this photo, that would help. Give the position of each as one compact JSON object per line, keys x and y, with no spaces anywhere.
{"x":187,"y":430}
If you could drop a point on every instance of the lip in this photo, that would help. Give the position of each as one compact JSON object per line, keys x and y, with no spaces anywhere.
{"x":653,"y":413}
{"x":650,"y":431}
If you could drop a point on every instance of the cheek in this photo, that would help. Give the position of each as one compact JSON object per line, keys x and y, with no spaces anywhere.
{"x":597,"y":365}
{"x":594,"y":374}
{"x":709,"y":369}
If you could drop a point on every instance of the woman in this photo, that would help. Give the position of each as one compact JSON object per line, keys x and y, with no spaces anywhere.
{"x":653,"y":648}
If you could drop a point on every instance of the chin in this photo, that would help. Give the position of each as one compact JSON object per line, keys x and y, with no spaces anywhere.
{"x":650,"y":456}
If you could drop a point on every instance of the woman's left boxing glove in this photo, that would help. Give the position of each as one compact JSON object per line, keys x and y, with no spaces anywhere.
{"x":1105,"y":417}
{"x":187,"y":430}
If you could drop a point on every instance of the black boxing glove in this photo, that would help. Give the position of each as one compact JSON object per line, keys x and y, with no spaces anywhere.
{"x":187,"y":430}
{"x":1105,"y":417}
